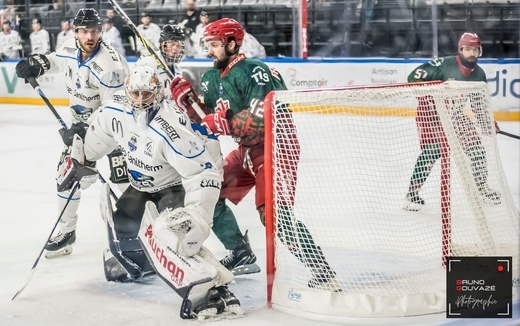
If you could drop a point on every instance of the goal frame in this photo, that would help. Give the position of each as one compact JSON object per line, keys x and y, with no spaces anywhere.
{"x":270,"y":219}
{"x":445,"y":189}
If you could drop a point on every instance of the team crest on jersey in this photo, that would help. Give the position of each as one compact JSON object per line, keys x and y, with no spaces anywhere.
{"x":139,"y":180}
{"x":132,"y":144}
{"x":81,"y":113}
{"x":148,"y":149}
{"x":115,"y":78}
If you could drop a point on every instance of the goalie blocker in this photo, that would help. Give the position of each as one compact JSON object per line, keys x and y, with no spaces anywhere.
{"x":199,"y":279}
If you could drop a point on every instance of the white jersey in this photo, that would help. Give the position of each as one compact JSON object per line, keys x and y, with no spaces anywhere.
{"x":10,"y":44}
{"x":169,"y":151}
{"x":91,"y":83}
{"x":196,"y":39}
{"x":40,"y":42}
{"x":112,"y":37}
{"x":252,"y":48}
{"x":152,"y":33}
{"x":62,"y":37}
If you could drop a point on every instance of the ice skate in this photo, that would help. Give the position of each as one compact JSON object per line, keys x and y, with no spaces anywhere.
{"x":324,"y":278}
{"x":413,"y":203}
{"x":219,"y":304}
{"x":489,"y":196}
{"x":60,"y":244}
{"x":241,"y":260}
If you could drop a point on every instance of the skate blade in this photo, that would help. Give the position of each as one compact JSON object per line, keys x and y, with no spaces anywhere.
{"x":490,"y":201}
{"x":65,"y":251}
{"x":230,"y":312}
{"x":246,"y":269}
{"x":412,"y":207}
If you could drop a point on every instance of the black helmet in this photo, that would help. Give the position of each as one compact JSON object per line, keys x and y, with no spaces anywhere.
{"x":87,"y":17}
{"x":172,"y":33}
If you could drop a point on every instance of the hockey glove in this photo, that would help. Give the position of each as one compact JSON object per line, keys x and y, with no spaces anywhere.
{"x":183,"y":94}
{"x":188,"y":226}
{"x":35,"y":66}
{"x":71,"y":171}
{"x":78,"y":128}
{"x":75,"y":169}
{"x":217,"y":122}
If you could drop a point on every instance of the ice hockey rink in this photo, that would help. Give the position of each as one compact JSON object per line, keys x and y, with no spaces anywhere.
{"x":72,"y":290}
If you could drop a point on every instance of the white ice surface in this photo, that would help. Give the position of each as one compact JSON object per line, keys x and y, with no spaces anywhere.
{"x":72,"y":290}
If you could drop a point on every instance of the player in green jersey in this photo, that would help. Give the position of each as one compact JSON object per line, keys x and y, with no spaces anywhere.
{"x":462,"y":67}
{"x":234,"y":91}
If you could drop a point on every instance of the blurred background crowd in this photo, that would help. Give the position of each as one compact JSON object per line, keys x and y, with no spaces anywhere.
{"x":336,"y":28}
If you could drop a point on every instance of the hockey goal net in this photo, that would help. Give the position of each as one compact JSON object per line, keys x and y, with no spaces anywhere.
{"x":342,"y":161}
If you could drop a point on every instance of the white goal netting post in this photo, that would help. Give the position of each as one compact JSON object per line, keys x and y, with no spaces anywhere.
{"x":342,"y":161}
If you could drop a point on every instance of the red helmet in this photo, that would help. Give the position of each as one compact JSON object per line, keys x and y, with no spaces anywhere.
{"x":471,"y":40}
{"x":223,"y":29}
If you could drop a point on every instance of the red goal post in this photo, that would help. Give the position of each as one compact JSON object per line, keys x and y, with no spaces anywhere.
{"x":343,"y":160}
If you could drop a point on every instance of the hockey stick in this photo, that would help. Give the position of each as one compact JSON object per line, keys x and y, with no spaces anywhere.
{"x":37,"y":87}
{"x":76,"y":187}
{"x":159,"y":60}
{"x":508,"y":134}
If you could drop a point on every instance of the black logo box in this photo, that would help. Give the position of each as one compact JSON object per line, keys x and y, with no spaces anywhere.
{"x":479,"y":287}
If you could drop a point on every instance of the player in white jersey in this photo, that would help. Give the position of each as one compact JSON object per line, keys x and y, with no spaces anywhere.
{"x":175,"y":166}
{"x":10,"y":42}
{"x":150,"y":31}
{"x":39,"y":38}
{"x":65,"y":34}
{"x":112,"y":37}
{"x":93,"y":73}
{"x":172,"y":43}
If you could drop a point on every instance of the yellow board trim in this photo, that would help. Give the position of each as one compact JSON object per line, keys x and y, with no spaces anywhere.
{"x":33,"y":101}
{"x":384,"y":112}
{"x":405,"y":112}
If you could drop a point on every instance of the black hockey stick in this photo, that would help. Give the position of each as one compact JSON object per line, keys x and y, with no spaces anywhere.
{"x":37,"y":87}
{"x":76,"y":187}
{"x":508,"y":134}
{"x":159,"y":60}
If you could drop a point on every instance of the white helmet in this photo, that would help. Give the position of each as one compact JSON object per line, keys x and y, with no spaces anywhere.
{"x":144,"y":93}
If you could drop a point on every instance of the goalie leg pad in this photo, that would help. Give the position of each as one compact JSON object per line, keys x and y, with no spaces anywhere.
{"x":190,"y":277}
{"x":127,"y":251}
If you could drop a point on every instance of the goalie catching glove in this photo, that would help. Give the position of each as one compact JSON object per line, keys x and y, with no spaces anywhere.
{"x":183,"y":94}
{"x":184,"y":228}
{"x":73,"y":169}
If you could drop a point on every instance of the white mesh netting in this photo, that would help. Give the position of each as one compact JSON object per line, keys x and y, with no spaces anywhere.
{"x":348,"y":164}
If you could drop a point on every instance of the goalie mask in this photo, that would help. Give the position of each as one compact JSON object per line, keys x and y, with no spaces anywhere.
{"x":144,"y":94}
{"x":173,"y":44}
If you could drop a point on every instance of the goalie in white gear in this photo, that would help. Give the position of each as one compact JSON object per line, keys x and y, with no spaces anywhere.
{"x":160,"y":222}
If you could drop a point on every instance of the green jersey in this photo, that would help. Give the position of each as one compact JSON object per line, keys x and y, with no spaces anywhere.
{"x":448,"y":68}
{"x":241,"y":88}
